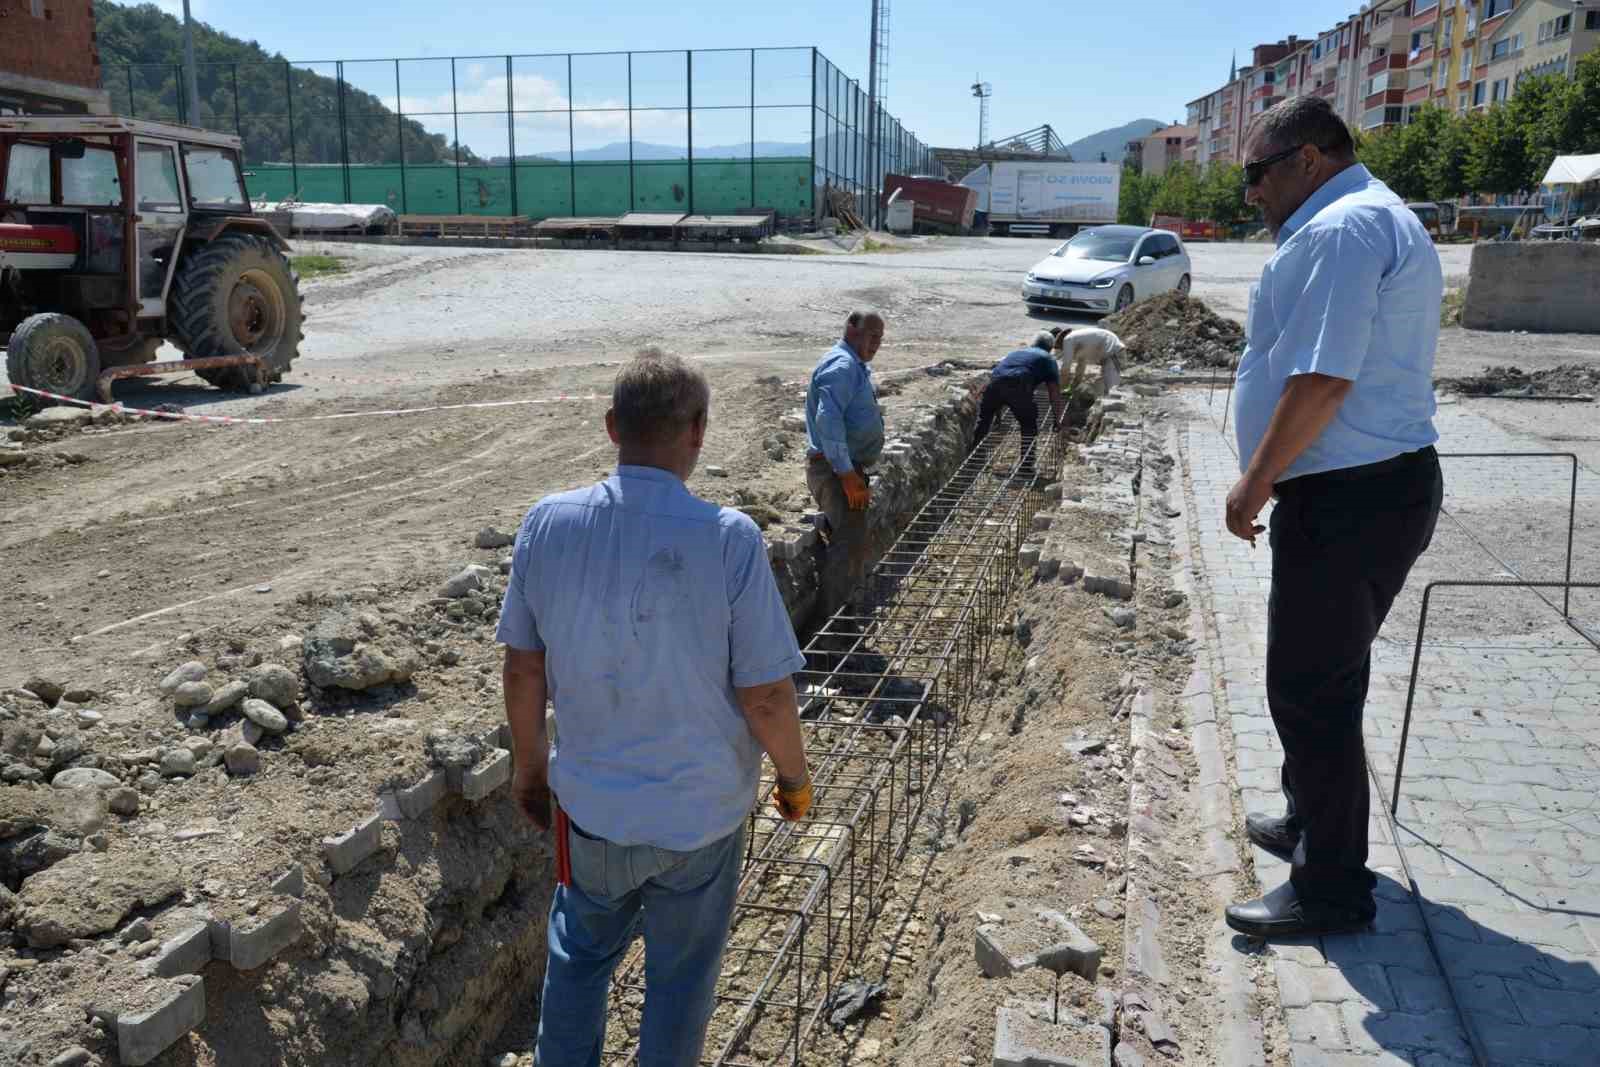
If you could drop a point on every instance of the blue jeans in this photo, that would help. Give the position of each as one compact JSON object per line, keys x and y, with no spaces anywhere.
{"x":684,"y":902}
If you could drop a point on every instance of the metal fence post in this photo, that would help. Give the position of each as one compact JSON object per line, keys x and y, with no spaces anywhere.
{"x":752,"y":128}
{"x":632,"y":202}
{"x":344,"y":134}
{"x":455,"y":125}
{"x":183,"y":104}
{"x":811,"y":151}
{"x":238,"y":127}
{"x":294,"y":153}
{"x":688,"y":88}
{"x":400,"y":136}
{"x":572,"y":145}
{"x":511,"y":132}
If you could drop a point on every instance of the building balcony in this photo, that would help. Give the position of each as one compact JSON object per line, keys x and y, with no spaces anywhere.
{"x":1420,"y":56}
{"x":1392,"y":61}
{"x":1424,"y":20}
{"x":1387,"y":97}
{"x":1419,"y":93}
{"x":1262,"y":92}
{"x":1327,"y":89}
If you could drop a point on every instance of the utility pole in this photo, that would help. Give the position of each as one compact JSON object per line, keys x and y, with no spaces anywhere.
{"x":982,"y":90}
{"x":872,"y":119}
{"x":192,"y":87}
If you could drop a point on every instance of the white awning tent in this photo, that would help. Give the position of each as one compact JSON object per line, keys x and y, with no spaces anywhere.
{"x":1573,"y":170}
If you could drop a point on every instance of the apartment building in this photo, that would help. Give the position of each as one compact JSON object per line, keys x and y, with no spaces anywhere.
{"x":1221,"y":118}
{"x":49,"y":62}
{"x":1162,"y":148}
{"x":1534,"y":38}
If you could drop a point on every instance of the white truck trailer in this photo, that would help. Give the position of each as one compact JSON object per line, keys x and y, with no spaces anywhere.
{"x":1044,"y":197}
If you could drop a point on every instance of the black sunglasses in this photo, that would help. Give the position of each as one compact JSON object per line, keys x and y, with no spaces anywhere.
{"x":1256,"y":169}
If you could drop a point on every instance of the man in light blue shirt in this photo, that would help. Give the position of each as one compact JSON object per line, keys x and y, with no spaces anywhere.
{"x":651,"y":620}
{"x":844,"y":436}
{"x":1335,"y":407}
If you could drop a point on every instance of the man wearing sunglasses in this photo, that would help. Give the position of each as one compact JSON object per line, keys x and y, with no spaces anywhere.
{"x":1335,"y":420}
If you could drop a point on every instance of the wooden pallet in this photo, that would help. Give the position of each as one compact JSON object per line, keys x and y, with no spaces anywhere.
{"x":461,"y":225}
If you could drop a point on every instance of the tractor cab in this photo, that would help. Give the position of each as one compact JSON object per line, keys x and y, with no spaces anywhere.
{"x":126,"y":234}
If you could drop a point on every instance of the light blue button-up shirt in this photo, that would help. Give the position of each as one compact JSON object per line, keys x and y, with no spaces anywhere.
{"x":650,"y":605}
{"x":843,"y":421}
{"x":1353,"y":292}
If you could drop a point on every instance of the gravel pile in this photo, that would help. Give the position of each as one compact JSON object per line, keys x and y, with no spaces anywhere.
{"x":1569,"y":379}
{"x":1174,"y":329}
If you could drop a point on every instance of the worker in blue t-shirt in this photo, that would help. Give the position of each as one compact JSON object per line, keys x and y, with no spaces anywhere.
{"x":1012,"y":384}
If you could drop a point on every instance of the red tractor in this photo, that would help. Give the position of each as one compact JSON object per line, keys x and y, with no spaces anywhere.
{"x":117,"y":235}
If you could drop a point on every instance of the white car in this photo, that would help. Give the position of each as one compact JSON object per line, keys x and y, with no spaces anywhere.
{"x":1106,"y":269}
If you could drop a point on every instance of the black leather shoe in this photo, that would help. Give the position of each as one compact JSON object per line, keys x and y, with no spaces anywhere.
{"x":1273,"y":834}
{"x":1281,"y":913}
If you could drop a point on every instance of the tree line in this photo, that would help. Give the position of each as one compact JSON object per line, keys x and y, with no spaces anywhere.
{"x":1439,"y":155}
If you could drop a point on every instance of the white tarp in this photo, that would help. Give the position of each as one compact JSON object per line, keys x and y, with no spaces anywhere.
{"x":333,"y":216}
{"x":1573,"y":170}
{"x":979,"y":180}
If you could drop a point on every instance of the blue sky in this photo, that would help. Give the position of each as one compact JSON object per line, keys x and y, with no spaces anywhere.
{"x":1079,"y":66}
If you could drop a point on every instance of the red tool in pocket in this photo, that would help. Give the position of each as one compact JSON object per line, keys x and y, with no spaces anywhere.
{"x":563,"y":828}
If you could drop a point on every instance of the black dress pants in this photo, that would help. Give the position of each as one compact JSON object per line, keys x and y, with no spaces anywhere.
{"x":1017,"y":395}
{"x":1343,"y":543}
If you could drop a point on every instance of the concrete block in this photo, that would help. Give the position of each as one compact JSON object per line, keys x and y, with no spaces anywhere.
{"x":348,"y":849}
{"x":291,"y":883}
{"x":141,"y":1038}
{"x":478,"y":782}
{"x":1046,"y":939}
{"x":1542,"y":286}
{"x":185,"y":953}
{"x":418,"y":800}
{"x":1108,"y":585}
{"x":1023,"y":1039}
{"x":274,"y":930}
{"x":1042,"y":521}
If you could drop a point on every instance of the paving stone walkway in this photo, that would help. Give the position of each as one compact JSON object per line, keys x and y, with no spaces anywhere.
{"x":1499,"y":822}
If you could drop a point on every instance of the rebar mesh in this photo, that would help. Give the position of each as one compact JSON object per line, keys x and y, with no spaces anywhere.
{"x":882,"y":698}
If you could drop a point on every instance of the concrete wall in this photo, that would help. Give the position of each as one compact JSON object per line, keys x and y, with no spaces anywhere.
{"x":48,"y":53}
{"x":1541,"y":286}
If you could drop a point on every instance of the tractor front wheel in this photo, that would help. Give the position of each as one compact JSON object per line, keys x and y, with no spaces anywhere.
{"x":233,"y":296}
{"x":54,"y":354}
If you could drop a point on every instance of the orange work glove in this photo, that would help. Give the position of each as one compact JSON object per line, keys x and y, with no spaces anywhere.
{"x":856,"y":494}
{"x":791,"y":800}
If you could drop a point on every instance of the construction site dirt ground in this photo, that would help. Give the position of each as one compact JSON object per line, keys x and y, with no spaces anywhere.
{"x":149,"y":541}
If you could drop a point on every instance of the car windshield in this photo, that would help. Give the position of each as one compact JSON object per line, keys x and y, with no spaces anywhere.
{"x":1115,"y":248}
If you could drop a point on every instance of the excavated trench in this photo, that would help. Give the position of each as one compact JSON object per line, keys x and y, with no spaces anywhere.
{"x":419,"y":938}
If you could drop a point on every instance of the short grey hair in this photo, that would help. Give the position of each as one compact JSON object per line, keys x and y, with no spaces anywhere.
{"x":1044,"y":339}
{"x":1301,"y":121}
{"x":657,"y":396}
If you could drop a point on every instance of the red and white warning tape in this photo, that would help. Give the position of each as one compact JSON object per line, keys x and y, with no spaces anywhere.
{"x":263,"y":420}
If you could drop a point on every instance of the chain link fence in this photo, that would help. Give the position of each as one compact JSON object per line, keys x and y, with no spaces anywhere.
{"x":598,"y":134}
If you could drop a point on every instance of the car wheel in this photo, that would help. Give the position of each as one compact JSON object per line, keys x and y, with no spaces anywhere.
{"x":1183,"y":285}
{"x":1125,"y":298}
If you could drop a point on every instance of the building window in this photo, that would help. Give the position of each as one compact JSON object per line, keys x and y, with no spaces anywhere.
{"x":1563,"y":26}
{"x":1591,"y":20}
{"x":1502,"y":90}
{"x":1461,"y":102}
{"x":36,"y":7}
{"x":1478,"y":94}
{"x":1466,"y":62}
{"x":1494,"y":8}
{"x":1449,"y":28}
{"x":1499,"y":50}
{"x":1420,"y":7}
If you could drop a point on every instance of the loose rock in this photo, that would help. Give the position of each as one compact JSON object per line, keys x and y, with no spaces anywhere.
{"x":265,"y":716}
{"x":192,"y":695}
{"x":242,"y":759}
{"x":276,"y":684}
{"x":123,"y":800}
{"x":467,"y":580}
{"x":45,"y":689}
{"x":177,"y":763}
{"x":193,"y":671}
{"x":85,"y":778}
{"x":225,"y":699}
{"x":489,"y":537}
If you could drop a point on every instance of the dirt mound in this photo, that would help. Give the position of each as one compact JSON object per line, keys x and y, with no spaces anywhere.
{"x":1569,"y":379}
{"x":1173,"y":328}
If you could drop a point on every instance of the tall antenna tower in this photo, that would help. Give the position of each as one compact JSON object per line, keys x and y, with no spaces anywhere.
{"x":877,"y":89}
{"x":983,"y":91}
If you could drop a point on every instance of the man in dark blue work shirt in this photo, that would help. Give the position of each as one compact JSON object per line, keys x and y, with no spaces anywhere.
{"x":1011,"y":385}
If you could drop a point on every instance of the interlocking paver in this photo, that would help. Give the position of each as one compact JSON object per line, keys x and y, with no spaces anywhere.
{"x":1497,"y":822}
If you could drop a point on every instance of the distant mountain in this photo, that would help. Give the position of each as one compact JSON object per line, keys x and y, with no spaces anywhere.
{"x":647,"y":151}
{"x":1113,"y":142}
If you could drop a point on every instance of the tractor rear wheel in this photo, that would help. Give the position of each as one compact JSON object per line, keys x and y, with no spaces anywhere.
{"x":237,"y":295}
{"x":55,"y":354}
